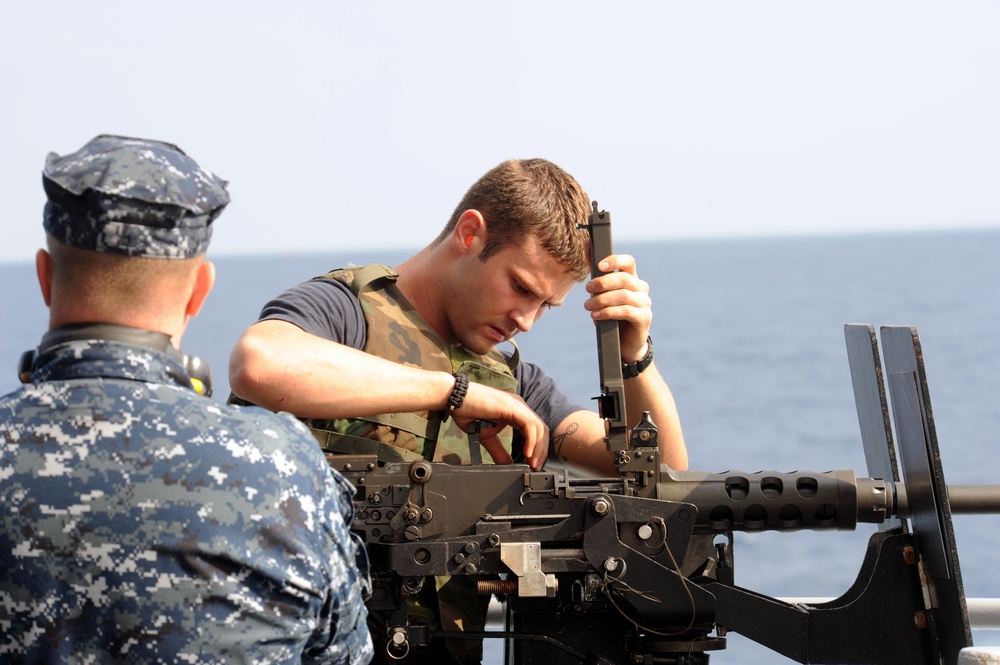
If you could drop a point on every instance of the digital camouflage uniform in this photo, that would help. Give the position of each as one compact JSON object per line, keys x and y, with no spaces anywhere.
{"x":395,"y":331}
{"x":142,"y":522}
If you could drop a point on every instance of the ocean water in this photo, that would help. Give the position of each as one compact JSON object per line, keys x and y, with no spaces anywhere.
{"x":749,"y":334}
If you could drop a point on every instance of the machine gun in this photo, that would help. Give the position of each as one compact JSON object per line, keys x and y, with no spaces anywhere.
{"x":640,"y":568}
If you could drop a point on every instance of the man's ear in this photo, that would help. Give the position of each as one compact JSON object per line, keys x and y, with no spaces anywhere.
{"x":43,"y":268}
{"x":203,"y":282}
{"x":470,"y":232}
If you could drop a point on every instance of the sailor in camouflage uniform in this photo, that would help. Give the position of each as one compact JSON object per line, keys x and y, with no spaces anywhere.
{"x":142,"y":522}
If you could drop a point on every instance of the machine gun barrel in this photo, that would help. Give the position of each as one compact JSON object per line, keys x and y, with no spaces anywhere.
{"x":968,"y":500}
{"x":769,"y":500}
{"x":405,"y":503}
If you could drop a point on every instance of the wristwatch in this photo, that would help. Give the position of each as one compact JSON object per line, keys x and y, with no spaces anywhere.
{"x":632,"y":370}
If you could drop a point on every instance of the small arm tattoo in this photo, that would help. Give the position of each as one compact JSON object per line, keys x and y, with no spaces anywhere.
{"x":559,"y":439}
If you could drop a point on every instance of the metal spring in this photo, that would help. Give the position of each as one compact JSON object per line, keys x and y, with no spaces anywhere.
{"x":498,"y":587}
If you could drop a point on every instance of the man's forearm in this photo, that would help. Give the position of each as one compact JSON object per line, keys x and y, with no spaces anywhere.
{"x":283,"y":368}
{"x":280,"y":367}
{"x":649,"y":392}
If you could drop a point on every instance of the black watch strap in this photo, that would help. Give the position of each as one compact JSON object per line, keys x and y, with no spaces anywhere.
{"x":632,"y":370}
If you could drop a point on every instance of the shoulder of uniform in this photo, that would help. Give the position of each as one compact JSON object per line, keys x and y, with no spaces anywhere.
{"x":358,"y":277}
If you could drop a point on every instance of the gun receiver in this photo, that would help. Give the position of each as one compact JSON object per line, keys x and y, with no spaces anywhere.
{"x":640,"y":568}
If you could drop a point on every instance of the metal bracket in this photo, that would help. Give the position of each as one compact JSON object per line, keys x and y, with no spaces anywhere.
{"x":525,"y":561}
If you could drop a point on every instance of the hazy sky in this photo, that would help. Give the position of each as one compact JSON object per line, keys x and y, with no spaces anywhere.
{"x":348,"y":124}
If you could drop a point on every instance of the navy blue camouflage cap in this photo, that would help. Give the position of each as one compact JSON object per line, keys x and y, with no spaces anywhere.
{"x":132,"y":196}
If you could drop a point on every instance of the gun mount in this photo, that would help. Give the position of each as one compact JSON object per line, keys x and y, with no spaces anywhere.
{"x":600,"y":551}
{"x":640,"y":568}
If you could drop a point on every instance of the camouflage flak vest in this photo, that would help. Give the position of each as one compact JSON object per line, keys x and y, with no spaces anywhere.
{"x":395,"y":331}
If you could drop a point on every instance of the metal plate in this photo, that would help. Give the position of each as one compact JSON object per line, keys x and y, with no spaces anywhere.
{"x":873,"y":407}
{"x":926,"y":491}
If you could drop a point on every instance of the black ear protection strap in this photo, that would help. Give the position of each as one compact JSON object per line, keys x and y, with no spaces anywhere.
{"x":197,"y":369}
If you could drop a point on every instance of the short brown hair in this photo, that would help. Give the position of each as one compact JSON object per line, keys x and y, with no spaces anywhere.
{"x":531,"y":199}
{"x":116,"y":282}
